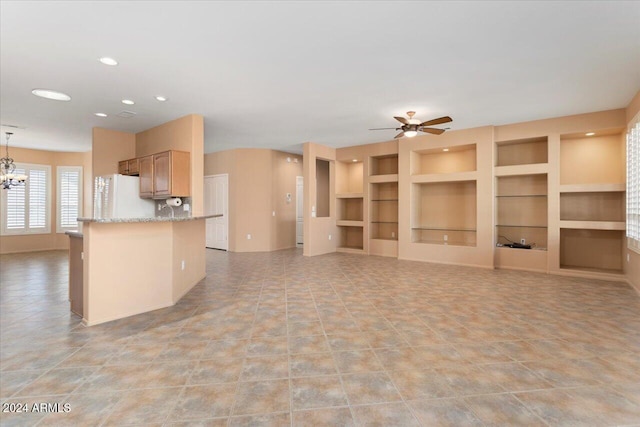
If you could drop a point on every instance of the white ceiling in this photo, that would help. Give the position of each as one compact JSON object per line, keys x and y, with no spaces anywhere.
{"x":277,"y":74}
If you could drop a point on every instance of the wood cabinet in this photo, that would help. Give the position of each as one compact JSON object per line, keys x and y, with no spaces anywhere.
{"x":129,"y":167}
{"x":146,"y":177}
{"x":164,"y":175}
{"x":171,"y":174}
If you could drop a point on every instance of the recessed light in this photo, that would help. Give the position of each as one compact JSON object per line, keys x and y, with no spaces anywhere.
{"x":128,"y":102}
{"x":445,"y":149}
{"x":589,"y":133}
{"x":354,"y":160}
{"x":101,"y":114}
{"x":161,"y":98}
{"x":51,"y":94}
{"x":108,"y":61}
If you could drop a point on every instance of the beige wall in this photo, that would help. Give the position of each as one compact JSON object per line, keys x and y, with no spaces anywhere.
{"x":183,"y":134}
{"x":318,"y":230}
{"x":259,"y":180}
{"x":52,"y":240}
{"x":109,"y":147}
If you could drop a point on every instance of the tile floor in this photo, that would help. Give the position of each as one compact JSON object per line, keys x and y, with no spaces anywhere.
{"x":280,"y":339}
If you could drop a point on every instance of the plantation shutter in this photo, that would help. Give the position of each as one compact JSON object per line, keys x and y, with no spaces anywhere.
{"x":69,"y":196}
{"x":16,"y":208}
{"x":633,"y":185}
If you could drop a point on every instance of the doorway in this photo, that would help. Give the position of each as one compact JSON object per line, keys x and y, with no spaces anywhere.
{"x":216,"y":201}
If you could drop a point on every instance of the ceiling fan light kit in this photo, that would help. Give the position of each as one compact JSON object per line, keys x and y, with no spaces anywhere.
{"x":410,"y":127}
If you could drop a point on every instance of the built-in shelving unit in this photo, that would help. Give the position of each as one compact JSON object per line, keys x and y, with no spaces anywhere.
{"x":444,"y":213}
{"x":350,"y":206}
{"x":521,"y":203}
{"x":521,"y":210}
{"x":450,"y":160}
{"x":444,"y":196}
{"x":383,"y":211}
{"x":592,"y":202}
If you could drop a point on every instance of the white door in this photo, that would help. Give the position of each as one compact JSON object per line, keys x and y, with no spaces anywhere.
{"x":299,"y":210}
{"x":216,"y":201}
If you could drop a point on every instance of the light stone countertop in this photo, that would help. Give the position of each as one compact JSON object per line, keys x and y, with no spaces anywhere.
{"x":154,"y":219}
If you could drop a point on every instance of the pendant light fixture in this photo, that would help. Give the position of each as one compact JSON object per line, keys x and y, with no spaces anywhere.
{"x":8,"y":179}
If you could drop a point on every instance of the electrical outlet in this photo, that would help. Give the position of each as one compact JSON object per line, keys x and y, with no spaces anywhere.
{"x":523,"y":241}
{"x":182,"y":264}
{"x":329,"y":236}
{"x":248,"y":236}
{"x":446,"y":237}
{"x":159,"y":208}
{"x":273,"y":213}
{"x":186,"y":207}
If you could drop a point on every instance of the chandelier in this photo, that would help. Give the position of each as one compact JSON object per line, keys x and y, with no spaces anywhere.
{"x":8,"y":179}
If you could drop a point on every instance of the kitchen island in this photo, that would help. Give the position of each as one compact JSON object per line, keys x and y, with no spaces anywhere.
{"x":136,"y":265}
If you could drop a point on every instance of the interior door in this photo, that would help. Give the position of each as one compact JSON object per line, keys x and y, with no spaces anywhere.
{"x":299,"y":210}
{"x":216,"y":201}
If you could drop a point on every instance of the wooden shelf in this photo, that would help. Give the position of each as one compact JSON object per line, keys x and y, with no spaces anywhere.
{"x":607,"y":206}
{"x":349,"y":196}
{"x":347,"y":223}
{"x":444,"y":229}
{"x":384,"y":200}
{"x":592,"y":188}
{"x":525,"y":195}
{"x":444,"y":177}
{"x":533,"y":169}
{"x":383,"y":178}
{"x":443,"y":243}
{"x":386,"y":165}
{"x":594,"y":225}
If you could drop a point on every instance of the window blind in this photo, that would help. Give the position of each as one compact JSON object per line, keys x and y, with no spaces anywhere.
{"x":69,"y":196}
{"x":633,"y":185}
{"x":16,"y":207}
{"x":26,"y":209}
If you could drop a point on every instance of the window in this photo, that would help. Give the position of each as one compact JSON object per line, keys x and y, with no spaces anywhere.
{"x":69,"y":197}
{"x":27,"y":209}
{"x":633,"y":185}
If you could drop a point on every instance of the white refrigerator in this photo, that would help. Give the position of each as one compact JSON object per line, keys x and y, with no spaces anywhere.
{"x":118,"y":196}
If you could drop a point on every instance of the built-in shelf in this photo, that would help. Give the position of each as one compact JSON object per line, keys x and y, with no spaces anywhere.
{"x":522,"y":151}
{"x":592,"y":188}
{"x":349,"y":195}
{"x":530,"y":169}
{"x":444,"y":229}
{"x":521,"y":212}
{"x":350,"y":209}
{"x":593,"y":250}
{"x":444,"y":177}
{"x":350,"y":237}
{"x":594,"y":225}
{"x":383,"y":178}
{"x":384,"y":165}
{"x":347,"y":223}
{"x":384,"y":215}
{"x":444,"y":213}
{"x":535,"y":259}
{"x":460,"y":158}
{"x":609,"y":206}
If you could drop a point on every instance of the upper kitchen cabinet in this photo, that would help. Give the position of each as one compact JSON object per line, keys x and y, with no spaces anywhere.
{"x":146,"y":177}
{"x":129,"y":167}
{"x":171,"y":174}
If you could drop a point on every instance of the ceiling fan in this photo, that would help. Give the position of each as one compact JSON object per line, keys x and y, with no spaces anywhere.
{"x":410,"y":127}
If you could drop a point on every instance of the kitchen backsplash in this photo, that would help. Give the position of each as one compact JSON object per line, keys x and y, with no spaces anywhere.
{"x":178,"y":212}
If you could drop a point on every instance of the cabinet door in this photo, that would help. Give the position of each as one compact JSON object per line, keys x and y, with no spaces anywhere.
{"x":146,"y":177}
{"x":123,"y":167}
{"x":162,"y":174}
{"x":133,"y":167}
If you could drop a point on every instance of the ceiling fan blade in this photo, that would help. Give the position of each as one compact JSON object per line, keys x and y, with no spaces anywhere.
{"x":383,"y":128}
{"x":438,"y":121}
{"x":432,"y":130}
{"x":400,"y":135}
{"x":402,"y":120}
